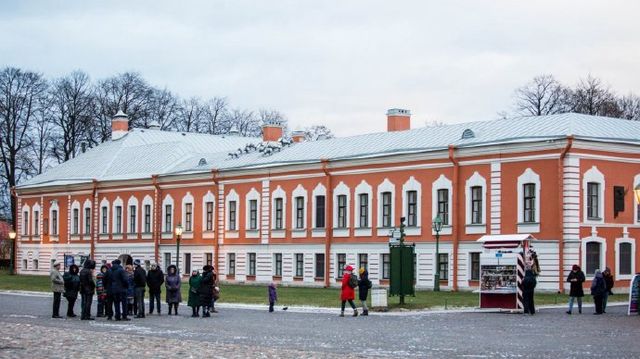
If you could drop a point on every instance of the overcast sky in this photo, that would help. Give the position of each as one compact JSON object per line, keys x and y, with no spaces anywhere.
{"x":339,"y":63}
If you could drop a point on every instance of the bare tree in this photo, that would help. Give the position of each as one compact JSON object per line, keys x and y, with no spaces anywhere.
{"x":41,"y":138}
{"x":164,"y":108}
{"x":216,"y":116}
{"x":245,"y":122}
{"x":317,"y":132}
{"x":544,"y":95}
{"x":629,"y":105}
{"x":592,"y":97}
{"x":191,"y":116}
{"x":20,"y":96}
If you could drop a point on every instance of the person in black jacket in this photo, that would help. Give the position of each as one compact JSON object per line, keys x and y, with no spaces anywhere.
{"x":155,"y":280}
{"x":608,"y":281}
{"x":140,"y":282}
{"x":528,"y":286}
{"x":119,"y":285}
{"x":205,"y":291}
{"x":108,"y":310}
{"x":598,"y":288}
{"x":71,"y":288}
{"x":87,"y":288}
{"x":364,"y":284}
{"x":576,"y":278}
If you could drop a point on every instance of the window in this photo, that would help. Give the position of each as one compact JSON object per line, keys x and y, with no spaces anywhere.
{"x":625,"y":255}
{"x":209,"y":259}
{"x":476,"y":205}
{"x":168,"y":227}
{"x":593,"y":193}
{"x":444,"y":266}
{"x":252,"y":264}
{"x":54,"y":222}
{"x":76,"y":221}
{"x":593,"y":257}
{"x":24,"y":264}
{"x":209,"y":225}
{"x":529,"y":197}
{"x":386,"y":266}
{"x":443,"y":206}
{"x":342,"y":211}
{"x":278,"y":205}
{"x":386,"y":209}
{"x":232,"y":215}
{"x":299,"y":265}
{"x":363,"y":198}
{"x":118,"y":219}
{"x":87,"y":221}
{"x":104,"y":219}
{"x":188,"y":217}
{"x":475,"y":266}
{"x":25,"y":223}
{"x":35,"y":264}
{"x":319,"y":265}
{"x":342,"y":262}
{"x":187,"y":263}
{"x":412,"y":208}
{"x":363,"y":261}
{"x":299,"y":212}
{"x":232,"y":264}
{"x":132,"y":219}
{"x":320,"y":205}
{"x":253,"y":214}
{"x":277,"y":259}
{"x":36,"y":223}
{"x":167,"y":260}
{"x":147,"y":218}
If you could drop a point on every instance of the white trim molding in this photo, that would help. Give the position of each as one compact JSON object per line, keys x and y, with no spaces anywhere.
{"x":25,"y":230}
{"x":319,"y":190}
{"x":36,"y":227}
{"x":476,"y":180}
{"x":133,"y":201}
{"x":187,"y":199}
{"x":117,"y":202}
{"x":632,"y":242}
{"x":75,"y":205}
{"x":208,"y":197}
{"x":363,"y":188}
{"x":583,"y":251}
{"x":231,"y":196}
{"x":528,"y":176}
{"x":104,"y":204}
{"x":278,"y":193}
{"x":147,"y":200}
{"x":341,"y":190}
{"x":252,"y":195}
{"x":299,"y":191}
{"x":385,"y":186}
{"x":593,"y":175}
{"x":54,"y":207}
{"x":168,"y":200}
{"x":442,"y":183}
{"x":412,"y":185}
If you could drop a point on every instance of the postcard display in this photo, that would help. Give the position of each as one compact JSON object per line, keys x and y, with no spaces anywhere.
{"x":499,"y":279}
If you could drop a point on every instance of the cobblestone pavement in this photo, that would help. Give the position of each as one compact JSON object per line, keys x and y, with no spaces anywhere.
{"x":28,"y":331}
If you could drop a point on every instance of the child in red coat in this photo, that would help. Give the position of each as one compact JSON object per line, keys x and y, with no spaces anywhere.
{"x":347,"y":293}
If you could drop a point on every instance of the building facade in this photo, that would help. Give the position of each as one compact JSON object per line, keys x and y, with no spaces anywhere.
{"x":263,"y":209}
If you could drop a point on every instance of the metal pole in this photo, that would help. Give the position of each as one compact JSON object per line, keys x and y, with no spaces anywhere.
{"x":178,"y":255}
{"x":436,"y":278}
{"x":12,"y":270}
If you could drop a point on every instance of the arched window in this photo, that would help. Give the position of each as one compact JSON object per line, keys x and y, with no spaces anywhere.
{"x":363,"y":209}
{"x":593,"y":185}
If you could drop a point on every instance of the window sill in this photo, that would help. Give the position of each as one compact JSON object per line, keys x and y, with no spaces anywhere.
{"x":147,"y":236}
{"x":446,"y":230}
{"x":251,"y":278}
{"x":341,"y":232}
{"x":167,"y":235}
{"x":278,"y":233}
{"x":298,"y":279}
{"x":363,"y":232}
{"x":117,"y":236}
{"x":412,"y":231}
{"x":54,"y":238}
{"x":208,"y":235}
{"x":318,"y":233}
{"x":383,"y":231}
{"x":318,"y":279}
{"x":532,"y":227}
{"x":476,"y":229}
{"x":252,"y":233}
{"x":231,"y":234}
{"x":75,"y":237}
{"x":277,"y":278}
{"x":299,"y":233}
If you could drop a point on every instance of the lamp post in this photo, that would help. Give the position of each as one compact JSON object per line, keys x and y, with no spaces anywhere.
{"x":636,"y":191}
{"x":437,"y":227}
{"x":178,"y":231}
{"x":12,"y":237}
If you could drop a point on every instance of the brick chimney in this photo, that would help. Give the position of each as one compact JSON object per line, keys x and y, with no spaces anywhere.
{"x":297,"y":136}
{"x":119,"y":125}
{"x":272,"y":131}
{"x":398,"y":120}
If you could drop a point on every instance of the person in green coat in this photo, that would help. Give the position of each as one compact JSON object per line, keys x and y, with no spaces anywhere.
{"x":194,"y":298}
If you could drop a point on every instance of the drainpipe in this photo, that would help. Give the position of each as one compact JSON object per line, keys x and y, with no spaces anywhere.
{"x":14,"y":245}
{"x":455,"y":225}
{"x":328,"y":223}
{"x":94,"y":217}
{"x":216,"y":245}
{"x":563,"y":154}
{"x":157,"y":227}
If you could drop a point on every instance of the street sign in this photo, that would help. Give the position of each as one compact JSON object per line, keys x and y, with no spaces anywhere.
{"x":498,"y":255}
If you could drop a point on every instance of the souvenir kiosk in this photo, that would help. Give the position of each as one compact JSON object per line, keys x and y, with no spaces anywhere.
{"x":502,"y":266}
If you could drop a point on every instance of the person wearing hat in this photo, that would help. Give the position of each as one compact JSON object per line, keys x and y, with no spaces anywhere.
{"x":576,"y":279}
{"x":205,"y":290}
{"x":87,"y":288}
{"x":140,"y":282}
{"x":71,"y":288}
{"x":119,"y":282}
{"x":364,"y":284}
{"x":155,"y":279}
{"x":57,"y":287}
{"x":347,"y":292}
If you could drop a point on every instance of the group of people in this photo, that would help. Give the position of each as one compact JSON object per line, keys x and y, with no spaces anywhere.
{"x":351,"y":281}
{"x":121,"y":290}
{"x":601,"y":288}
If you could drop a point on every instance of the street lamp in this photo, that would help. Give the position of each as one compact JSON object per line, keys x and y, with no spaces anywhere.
{"x":636,"y":191}
{"x":178,"y":232}
{"x":12,"y":237}
{"x":437,"y":227}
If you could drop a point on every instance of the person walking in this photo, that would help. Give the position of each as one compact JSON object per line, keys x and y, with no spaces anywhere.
{"x":194,"y":295}
{"x":87,"y":288}
{"x":174,"y":297}
{"x":119,"y":284}
{"x":108,"y":279}
{"x":101,"y":291}
{"x":140,"y":283}
{"x":528,"y":286}
{"x":273,"y":295}
{"x":205,"y":290}
{"x":155,"y":279}
{"x":598,"y":288}
{"x":130,"y":290}
{"x":57,"y":287}
{"x":71,"y":288}
{"x":575,"y":278}
{"x":608,"y":281}
{"x":364,"y":284}
{"x":347,"y":292}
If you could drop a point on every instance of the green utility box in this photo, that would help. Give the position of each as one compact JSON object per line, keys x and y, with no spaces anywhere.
{"x":402,"y":270}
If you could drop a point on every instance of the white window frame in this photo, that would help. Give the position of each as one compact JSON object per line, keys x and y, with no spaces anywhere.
{"x":133,"y":201}
{"x":528,"y":176}
{"x":363,"y":188}
{"x":476,"y":180}
{"x":87,"y":204}
{"x":385,"y":186}
{"x":118,"y":202}
{"x":147,"y":200}
{"x":168,"y":200}
{"x":278,"y":193}
{"x":252,"y":195}
{"x":412,"y":185}
{"x":104,"y":203}
{"x":54,"y":207}
{"x":593,"y":175}
{"x":187,"y":199}
{"x":603,"y":253}
{"x":299,"y":191}
{"x":631,"y":241}
{"x":75,"y":205}
{"x":319,"y":190}
{"x":208,"y":197}
{"x":442,"y":183}
{"x":24,"y":232}
{"x":341,"y":190}
{"x":34,"y":209}
{"x":231,"y":196}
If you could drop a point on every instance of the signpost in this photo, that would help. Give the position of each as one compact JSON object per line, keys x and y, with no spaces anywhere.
{"x":401,"y":266}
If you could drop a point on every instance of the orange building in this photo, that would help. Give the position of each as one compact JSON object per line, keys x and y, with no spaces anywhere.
{"x":263,"y":209}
